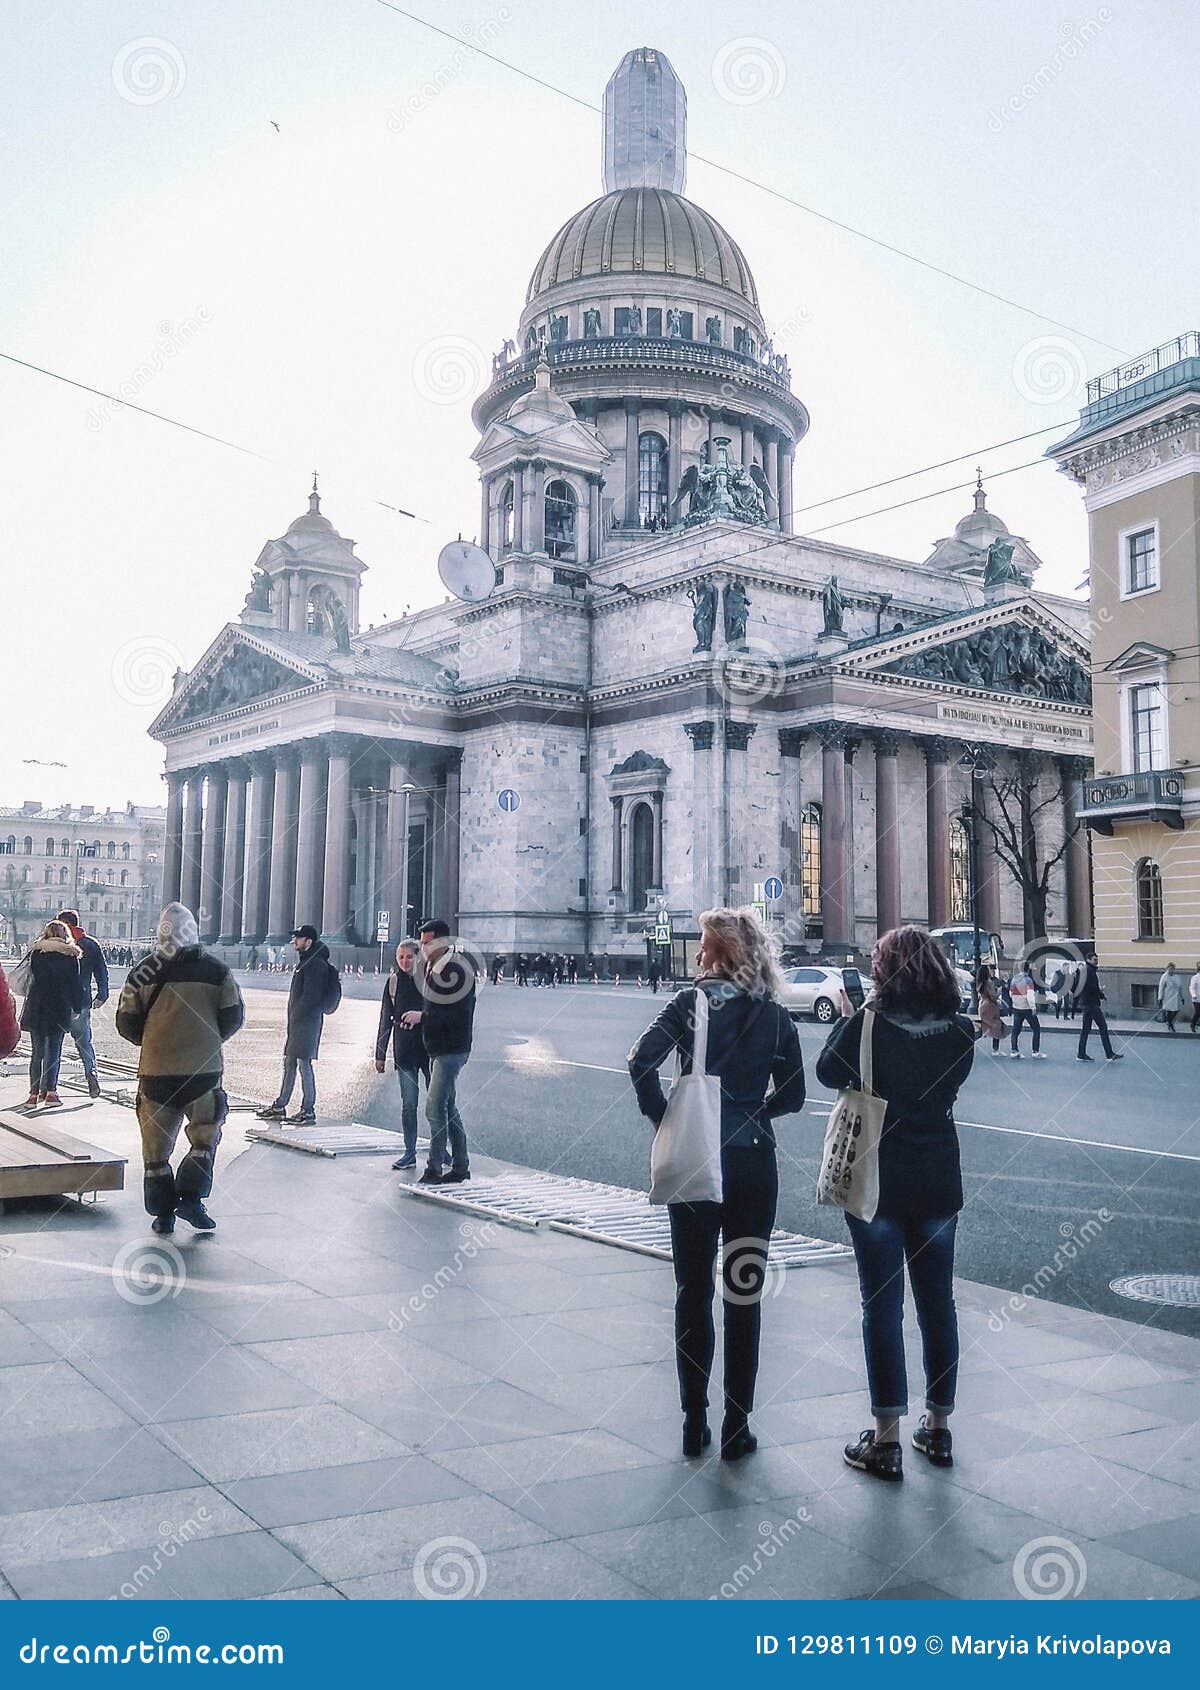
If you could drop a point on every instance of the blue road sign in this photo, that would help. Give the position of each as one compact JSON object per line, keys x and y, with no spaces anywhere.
{"x":773,"y":887}
{"x":508,"y":799}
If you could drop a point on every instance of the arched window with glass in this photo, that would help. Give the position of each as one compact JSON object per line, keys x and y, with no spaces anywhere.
{"x":49,"y":847}
{"x":810,"y":869}
{"x":506,"y":518}
{"x":560,"y":521}
{"x":1148,"y":895}
{"x":652,"y":481}
{"x":961,"y":907}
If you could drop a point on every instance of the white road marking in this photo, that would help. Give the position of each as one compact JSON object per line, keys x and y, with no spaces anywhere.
{"x":979,"y":1126}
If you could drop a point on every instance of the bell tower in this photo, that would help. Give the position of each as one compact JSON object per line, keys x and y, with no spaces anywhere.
{"x":308,"y":580}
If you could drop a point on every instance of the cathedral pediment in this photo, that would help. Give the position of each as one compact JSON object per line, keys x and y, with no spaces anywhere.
{"x":229,"y":677}
{"x":1019,"y":650}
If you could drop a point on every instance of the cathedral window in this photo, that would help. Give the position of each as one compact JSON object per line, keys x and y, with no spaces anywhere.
{"x":810,"y":866}
{"x":652,"y":480}
{"x":641,"y":852}
{"x":654,"y":321}
{"x":506,"y":518}
{"x":560,"y":520}
{"x":961,"y":905}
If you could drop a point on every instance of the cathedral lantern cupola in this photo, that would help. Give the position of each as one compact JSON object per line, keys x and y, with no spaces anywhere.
{"x":307,"y":581}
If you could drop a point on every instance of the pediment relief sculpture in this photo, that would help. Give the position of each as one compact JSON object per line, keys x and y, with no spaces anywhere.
{"x":240,"y":677}
{"x":1013,"y":658}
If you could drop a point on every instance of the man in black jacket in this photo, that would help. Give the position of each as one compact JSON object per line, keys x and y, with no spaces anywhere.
{"x":93,"y":976}
{"x":314,"y":993}
{"x":446,"y":1018}
{"x":400,"y":994}
{"x":1089,"y":999}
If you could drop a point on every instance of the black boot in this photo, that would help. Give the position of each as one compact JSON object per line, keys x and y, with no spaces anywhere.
{"x":737,"y":1439}
{"x":697,"y":1434}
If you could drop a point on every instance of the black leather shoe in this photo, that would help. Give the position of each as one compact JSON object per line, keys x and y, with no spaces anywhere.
{"x":883,"y":1461}
{"x":937,"y":1444}
{"x":163,"y":1223}
{"x":192,"y":1210}
{"x":93,"y":1085}
{"x":697,"y":1434}
{"x":456,"y":1176}
{"x":737,"y":1440}
{"x":430,"y":1177}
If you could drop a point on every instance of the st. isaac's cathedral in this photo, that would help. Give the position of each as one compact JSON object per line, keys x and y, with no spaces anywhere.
{"x":669,"y":699}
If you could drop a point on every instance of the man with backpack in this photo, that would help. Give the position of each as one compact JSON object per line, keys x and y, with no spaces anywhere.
{"x":314,"y":993}
{"x":179,"y":1005}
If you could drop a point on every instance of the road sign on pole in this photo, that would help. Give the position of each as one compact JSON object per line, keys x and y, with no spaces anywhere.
{"x":508,"y":799}
{"x":773,"y":887}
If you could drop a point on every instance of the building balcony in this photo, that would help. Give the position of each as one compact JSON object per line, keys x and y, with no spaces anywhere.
{"x":1155,"y":795}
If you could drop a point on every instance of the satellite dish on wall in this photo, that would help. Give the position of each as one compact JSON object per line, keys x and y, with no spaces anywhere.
{"x":466,"y":570}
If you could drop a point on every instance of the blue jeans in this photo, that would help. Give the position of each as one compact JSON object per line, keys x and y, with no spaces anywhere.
{"x":1020,"y":1017}
{"x":882,"y":1247}
{"x":410,"y":1087}
{"x":308,"y":1084}
{"x":44,"y":1061}
{"x":81,"y":1032}
{"x":441,"y":1111}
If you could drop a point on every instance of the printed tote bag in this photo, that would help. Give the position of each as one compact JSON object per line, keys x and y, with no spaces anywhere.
{"x":849,"y":1174}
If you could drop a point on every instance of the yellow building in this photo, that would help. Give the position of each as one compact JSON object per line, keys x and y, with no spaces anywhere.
{"x":1136,"y":455}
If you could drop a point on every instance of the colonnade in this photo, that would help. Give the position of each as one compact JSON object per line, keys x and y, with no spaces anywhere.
{"x":313,"y":832}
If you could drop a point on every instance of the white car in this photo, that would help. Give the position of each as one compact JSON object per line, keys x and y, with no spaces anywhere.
{"x":813,"y":989}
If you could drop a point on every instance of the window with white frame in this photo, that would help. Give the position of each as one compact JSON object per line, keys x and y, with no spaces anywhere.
{"x":1147,"y":728}
{"x":1141,"y":560}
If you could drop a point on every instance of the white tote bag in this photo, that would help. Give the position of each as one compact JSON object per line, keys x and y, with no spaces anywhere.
{"x":20,"y":980}
{"x":685,"y":1158}
{"x":849,"y":1176}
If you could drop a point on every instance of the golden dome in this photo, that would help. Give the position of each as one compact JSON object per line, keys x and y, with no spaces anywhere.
{"x":643,"y":231}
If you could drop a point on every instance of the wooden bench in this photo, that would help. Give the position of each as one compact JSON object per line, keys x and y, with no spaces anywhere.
{"x":37,"y":1159}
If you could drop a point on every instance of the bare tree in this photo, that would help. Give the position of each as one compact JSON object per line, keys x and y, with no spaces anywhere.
{"x":1010,"y":814}
{"x":11,"y":904}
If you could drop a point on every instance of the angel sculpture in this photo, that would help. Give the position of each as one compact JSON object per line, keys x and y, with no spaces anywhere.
{"x":751,"y":492}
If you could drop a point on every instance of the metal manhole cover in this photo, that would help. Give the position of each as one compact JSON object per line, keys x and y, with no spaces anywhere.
{"x":1179,"y":1290}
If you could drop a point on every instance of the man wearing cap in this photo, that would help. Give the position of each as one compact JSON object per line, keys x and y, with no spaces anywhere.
{"x":445,"y":1018}
{"x":314,"y":993}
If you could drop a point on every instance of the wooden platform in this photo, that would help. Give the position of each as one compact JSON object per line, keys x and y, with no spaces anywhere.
{"x":39,"y":1159}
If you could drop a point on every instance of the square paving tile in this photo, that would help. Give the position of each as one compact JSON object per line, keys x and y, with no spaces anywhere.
{"x":88,"y":1467}
{"x":355,"y":1546}
{"x":1121,"y":1371}
{"x":131,"y":1522}
{"x":19,"y":1344}
{"x":1167,"y":1543}
{"x":281,"y":1440}
{"x":206,"y":1569}
{"x":1080,"y":1493}
{"x":1168,"y":1452}
{"x":193,"y":1385}
{"x":473,"y":1414}
{"x":324,"y":1493}
{"x":356,"y":1364}
{"x":530,"y":1461}
{"x":556,"y":1572}
{"x":41,"y":1398}
{"x":307,"y":1316}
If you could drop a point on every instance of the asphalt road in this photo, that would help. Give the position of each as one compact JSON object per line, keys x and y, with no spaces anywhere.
{"x":1102,"y":1160}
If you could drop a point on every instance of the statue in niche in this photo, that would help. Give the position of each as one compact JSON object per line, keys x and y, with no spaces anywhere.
{"x":999,"y":568}
{"x":558,"y":330}
{"x":336,"y":612}
{"x":834,"y":606}
{"x":591,"y":324}
{"x":635,"y":319}
{"x":674,"y":323}
{"x":712,"y":330}
{"x":259,"y":596}
{"x":704,"y":614}
{"x":737,"y":613}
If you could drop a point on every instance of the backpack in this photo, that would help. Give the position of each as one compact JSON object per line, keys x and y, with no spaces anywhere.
{"x":333,"y":990}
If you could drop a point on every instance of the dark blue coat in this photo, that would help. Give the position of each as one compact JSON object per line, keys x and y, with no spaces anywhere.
{"x":306,"y":1002}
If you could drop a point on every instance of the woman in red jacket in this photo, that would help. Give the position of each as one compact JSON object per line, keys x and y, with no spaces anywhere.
{"x":10,"y":1030}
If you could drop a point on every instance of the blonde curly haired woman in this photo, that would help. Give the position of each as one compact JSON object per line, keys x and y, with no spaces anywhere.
{"x":754,"y":1048}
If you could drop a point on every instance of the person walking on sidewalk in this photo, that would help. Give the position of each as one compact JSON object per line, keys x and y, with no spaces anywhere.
{"x":54,"y":998}
{"x":753,"y":1046}
{"x":1022,"y":989}
{"x":446,"y":1019}
{"x":991,"y":1023}
{"x":1090,"y":999}
{"x":93,"y":973}
{"x":180,"y":1006}
{"x":400,"y":994}
{"x":315,"y":992}
{"x":1194,"y":995}
{"x":1170,"y":995}
{"x":922,"y":1053}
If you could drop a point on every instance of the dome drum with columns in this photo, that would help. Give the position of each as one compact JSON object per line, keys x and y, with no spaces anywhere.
{"x":687,"y":700}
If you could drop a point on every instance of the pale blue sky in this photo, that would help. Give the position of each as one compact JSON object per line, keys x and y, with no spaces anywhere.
{"x":299,"y":291}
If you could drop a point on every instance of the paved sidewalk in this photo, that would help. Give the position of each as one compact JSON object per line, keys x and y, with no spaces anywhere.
{"x":350,"y":1393}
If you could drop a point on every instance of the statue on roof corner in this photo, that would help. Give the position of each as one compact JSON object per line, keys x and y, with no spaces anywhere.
{"x":259,"y":596}
{"x":833,"y":606}
{"x":999,"y":568}
{"x":704,"y":614}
